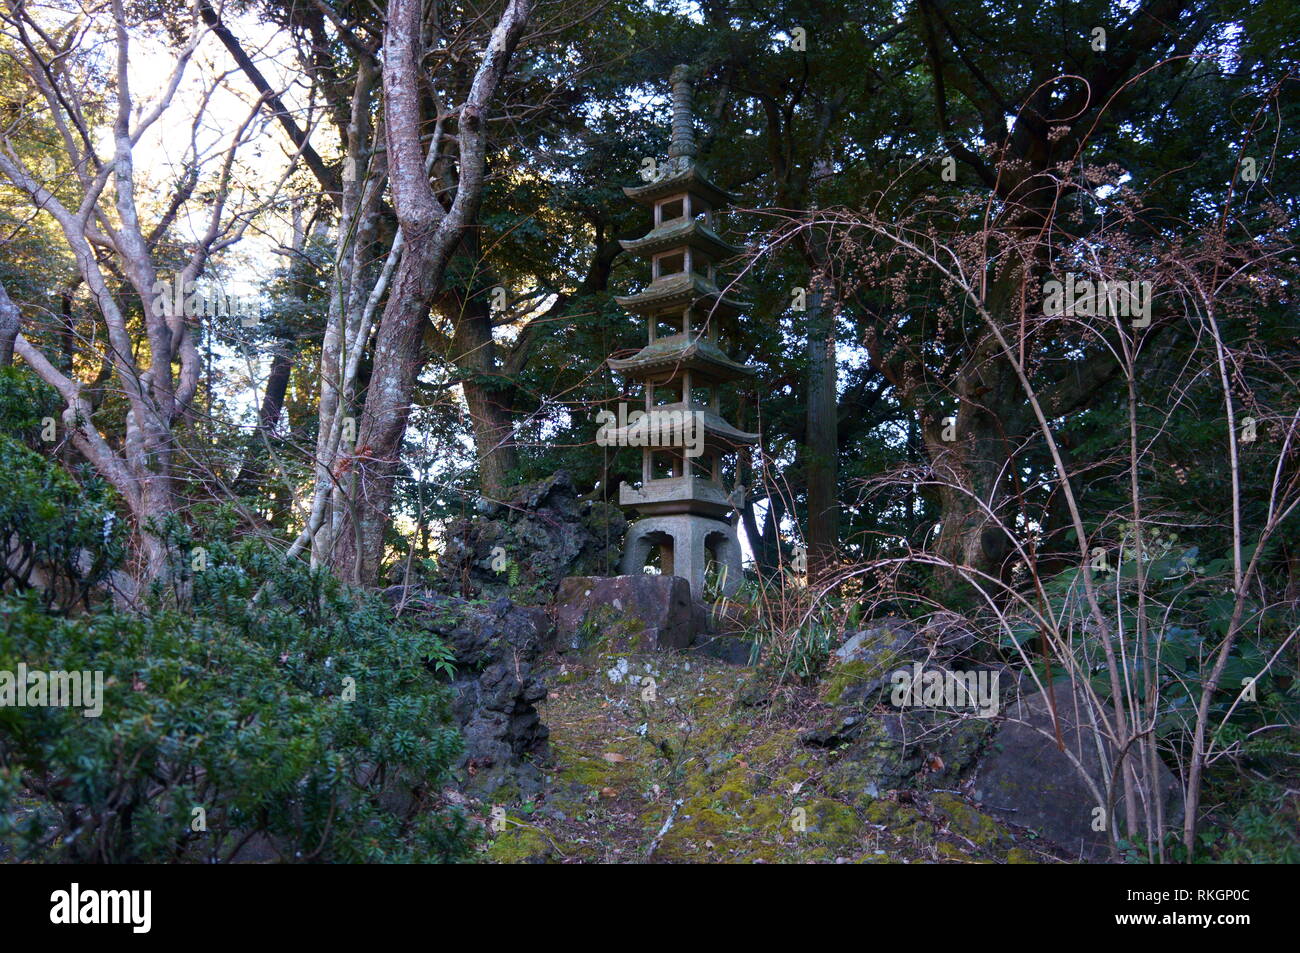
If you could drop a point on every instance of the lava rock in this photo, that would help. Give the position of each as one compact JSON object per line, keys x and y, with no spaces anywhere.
{"x":524,"y":545}
{"x":498,"y":683}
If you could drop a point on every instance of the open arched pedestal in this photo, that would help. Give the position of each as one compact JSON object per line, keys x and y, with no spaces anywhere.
{"x":687,"y":543}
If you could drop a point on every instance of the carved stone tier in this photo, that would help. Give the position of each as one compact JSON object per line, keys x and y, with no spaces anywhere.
{"x":687,"y":494}
{"x":690,"y":232}
{"x":682,"y":291}
{"x":680,"y":352}
{"x":672,"y":427}
{"x":682,"y":177}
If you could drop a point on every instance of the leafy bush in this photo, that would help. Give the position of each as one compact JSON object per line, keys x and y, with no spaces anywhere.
{"x":53,"y":531}
{"x":56,"y":533}
{"x":25,"y":402}
{"x":294,"y":718}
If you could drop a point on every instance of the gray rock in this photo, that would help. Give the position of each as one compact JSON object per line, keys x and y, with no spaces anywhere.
{"x":1026,"y":779}
{"x":544,"y":533}
{"x":498,"y":683}
{"x":891,"y":640}
{"x":624,"y":613}
{"x":910,"y":749}
{"x":867,"y":660}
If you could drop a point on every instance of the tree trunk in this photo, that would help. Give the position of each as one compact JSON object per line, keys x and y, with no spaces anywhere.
{"x":487,"y":395}
{"x":431,"y":231}
{"x":398,"y":359}
{"x":974,"y":473}
{"x":821,"y":460}
{"x":10,"y":322}
{"x":277,"y":384}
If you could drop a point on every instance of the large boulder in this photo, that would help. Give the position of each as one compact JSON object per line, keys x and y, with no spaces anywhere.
{"x":864,"y":665}
{"x":498,"y":683}
{"x":633,"y":613}
{"x":867,"y":659}
{"x":526,"y":543}
{"x":1028,"y":780}
{"x":947,"y":635}
{"x":908,"y":749}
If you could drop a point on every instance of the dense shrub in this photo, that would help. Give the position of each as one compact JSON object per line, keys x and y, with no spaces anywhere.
{"x":294,"y":719}
{"x":56,"y":533}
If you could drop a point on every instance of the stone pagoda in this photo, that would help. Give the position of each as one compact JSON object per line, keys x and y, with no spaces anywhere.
{"x":685,"y":510}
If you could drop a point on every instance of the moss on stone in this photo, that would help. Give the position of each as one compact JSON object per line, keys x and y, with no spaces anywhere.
{"x":736,"y":790}
{"x":522,"y":844}
{"x":948,"y":851}
{"x":965,"y":820}
{"x":842,"y":678}
{"x":832,"y":822}
{"x":901,"y":821}
{"x":739,"y":771}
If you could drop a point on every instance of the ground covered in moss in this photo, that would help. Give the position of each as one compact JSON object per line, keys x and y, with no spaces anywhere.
{"x":681,"y":758}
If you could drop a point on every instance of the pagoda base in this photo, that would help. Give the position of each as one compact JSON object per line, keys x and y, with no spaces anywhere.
{"x":684,"y":541}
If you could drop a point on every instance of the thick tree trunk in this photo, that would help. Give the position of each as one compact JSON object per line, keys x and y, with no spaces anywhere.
{"x":974,"y":472}
{"x":431,"y":232}
{"x":398,"y":358}
{"x":474,"y":353}
{"x":821,"y":459}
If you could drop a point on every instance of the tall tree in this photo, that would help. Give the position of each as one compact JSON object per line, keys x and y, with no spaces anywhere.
{"x":431,"y":232}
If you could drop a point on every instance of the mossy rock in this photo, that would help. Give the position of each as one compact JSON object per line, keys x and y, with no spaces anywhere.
{"x":952,"y":852}
{"x":830,"y":822}
{"x":852,"y":781}
{"x":902,"y":821}
{"x":964,"y":820}
{"x":522,"y":844}
{"x":736,"y":789}
{"x":591,"y":771}
{"x":859,"y":683}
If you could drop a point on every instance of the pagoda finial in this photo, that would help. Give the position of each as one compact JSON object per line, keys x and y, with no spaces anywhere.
{"x":682,"y":143}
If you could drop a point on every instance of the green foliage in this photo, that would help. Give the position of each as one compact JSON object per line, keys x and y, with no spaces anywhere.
{"x":1188,"y":613}
{"x":52,"y":531}
{"x":1258,"y":828}
{"x":24,"y":404}
{"x":298,"y":714}
{"x":792,"y":637}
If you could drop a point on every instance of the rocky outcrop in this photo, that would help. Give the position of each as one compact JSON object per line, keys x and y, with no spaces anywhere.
{"x":1028,"y":780}
{"x":886,"y":745}
{"x":632,"y":613}
{"x":525,"y":544}
{"x":907,"y":749}
{"x":866,"y":660}
{"x":498,"y":653}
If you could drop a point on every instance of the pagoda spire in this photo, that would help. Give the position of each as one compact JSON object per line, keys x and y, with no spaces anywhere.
{"x":686,"y":512}
{"x":682,"y":143}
